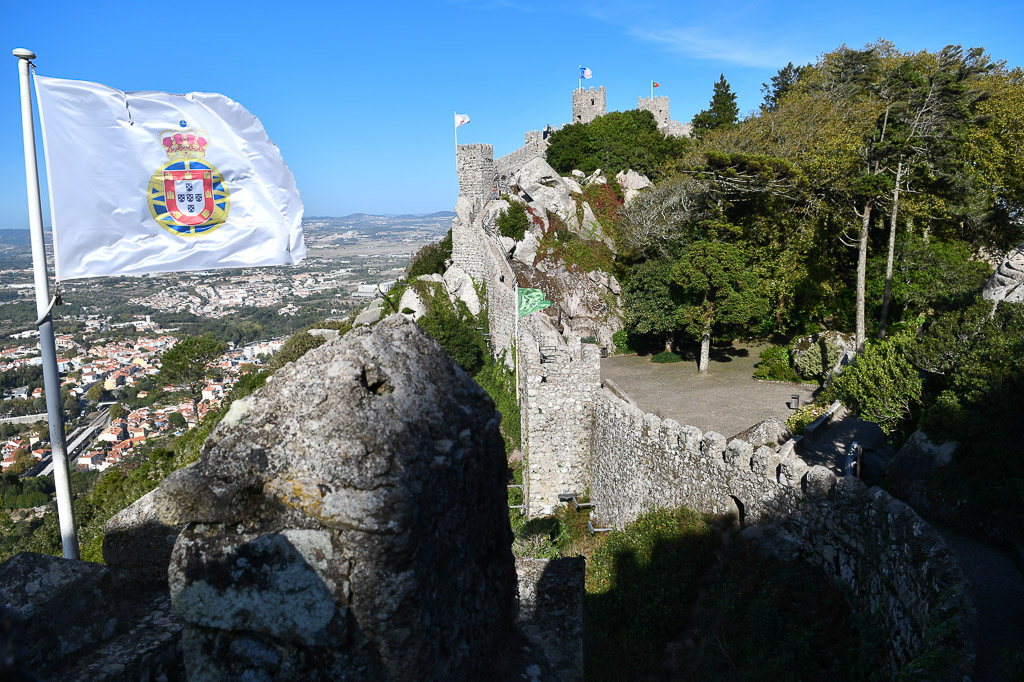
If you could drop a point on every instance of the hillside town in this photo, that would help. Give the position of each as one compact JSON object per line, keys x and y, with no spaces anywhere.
{"x":94,"y":363}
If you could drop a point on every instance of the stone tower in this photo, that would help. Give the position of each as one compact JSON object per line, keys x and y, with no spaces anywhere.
{"x":588,"y":104}
{"x":657,"y":106}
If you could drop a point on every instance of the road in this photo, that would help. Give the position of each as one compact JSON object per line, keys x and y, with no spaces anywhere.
{"x":79,"y":439}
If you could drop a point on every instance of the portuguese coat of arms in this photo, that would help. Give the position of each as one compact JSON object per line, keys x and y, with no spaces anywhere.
{"x":187,"y":195}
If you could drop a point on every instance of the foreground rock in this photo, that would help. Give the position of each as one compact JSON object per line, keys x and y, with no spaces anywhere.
{"x":342,"y":523}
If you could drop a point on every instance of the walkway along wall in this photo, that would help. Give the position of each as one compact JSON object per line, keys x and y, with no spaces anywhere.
{"x":876,"y":546}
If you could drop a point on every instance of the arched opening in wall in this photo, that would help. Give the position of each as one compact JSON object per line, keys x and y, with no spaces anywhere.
{"x":736,"y":510}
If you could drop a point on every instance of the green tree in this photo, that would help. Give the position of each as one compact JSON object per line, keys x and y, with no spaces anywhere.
{"x":651,"y":301}
{"x":617,"y":141}
{"x":781,"y":84}
{"x":117,"y":411}
{"x":721,"y":112}
{"x":719,"y":292}
{"x":187,"y":363}
{"x":177,"y":420}
{"x":95,"y":392}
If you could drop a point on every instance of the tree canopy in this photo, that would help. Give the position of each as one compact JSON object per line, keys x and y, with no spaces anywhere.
{"x":617,"y":141}
{"x":187,"y":364}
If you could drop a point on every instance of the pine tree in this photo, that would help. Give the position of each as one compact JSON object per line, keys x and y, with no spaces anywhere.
{"x":721,"y":112}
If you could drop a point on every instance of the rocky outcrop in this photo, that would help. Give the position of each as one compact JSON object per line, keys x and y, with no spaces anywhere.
{"x":1007,"y":282}
{"x":544,"y":188}
{"x":631,"y":183}
{"x":339,"y":514}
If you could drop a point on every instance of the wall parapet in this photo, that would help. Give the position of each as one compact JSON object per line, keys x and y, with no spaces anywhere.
{"x":888,"y":558}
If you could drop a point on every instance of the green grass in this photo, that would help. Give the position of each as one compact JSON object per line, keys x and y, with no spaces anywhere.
{"x":666,"y":356}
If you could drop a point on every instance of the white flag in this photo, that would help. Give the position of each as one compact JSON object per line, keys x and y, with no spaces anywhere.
{"x":146,"y":182}
{"x":461,"y":120}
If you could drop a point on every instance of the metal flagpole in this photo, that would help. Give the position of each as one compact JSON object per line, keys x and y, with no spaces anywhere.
{"x":581,"y":77}
{"x":652,"y":91}
{"x":47,"y":346}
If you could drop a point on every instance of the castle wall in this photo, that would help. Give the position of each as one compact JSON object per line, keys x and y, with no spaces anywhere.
{"x":506,"y":166}
{"x":500,"y":282}
{"x":557,"y":389}
{"x":874,"y":545}
{"x":658,"y":106}
{"x":588,"y":104}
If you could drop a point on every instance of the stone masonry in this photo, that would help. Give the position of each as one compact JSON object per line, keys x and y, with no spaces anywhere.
{"x":588,"y":104}
{"x":557,"y":387}
{"x":874,"y":545}
{"x":659,"y":106}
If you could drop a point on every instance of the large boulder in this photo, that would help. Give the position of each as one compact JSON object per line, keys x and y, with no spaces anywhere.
{"x":347,"y":521}
{"x":631,"y":183}
{"x":1007,"y":282}
{"x":544,"y":187}
{"x":460,"y":287}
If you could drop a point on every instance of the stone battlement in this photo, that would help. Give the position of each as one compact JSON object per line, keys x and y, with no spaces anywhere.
{"x":589,"y":104}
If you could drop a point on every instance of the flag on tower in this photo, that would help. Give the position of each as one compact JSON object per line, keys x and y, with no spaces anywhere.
{"x":147,"y":182}
{"x":585,"y":73}
{"x":461,"y":120}
{"x":654,"y":84}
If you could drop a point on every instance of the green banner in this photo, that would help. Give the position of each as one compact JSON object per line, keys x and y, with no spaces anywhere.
{"x":531,"y":300}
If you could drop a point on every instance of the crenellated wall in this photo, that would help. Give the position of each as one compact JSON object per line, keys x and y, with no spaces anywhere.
{"x":589,"y":104}
{"x":658,"y":106}
{"x":506,"y":166}
{"x":577,"y":435}
{"x":889,"y":559}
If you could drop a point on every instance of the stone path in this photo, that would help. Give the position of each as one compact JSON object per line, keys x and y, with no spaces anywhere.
{"x":727,"y":399}
{"x":998,"y":590}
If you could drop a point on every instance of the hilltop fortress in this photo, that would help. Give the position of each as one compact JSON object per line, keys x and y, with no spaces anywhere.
{"x":580,"y":434}
{"x":589,"y":104}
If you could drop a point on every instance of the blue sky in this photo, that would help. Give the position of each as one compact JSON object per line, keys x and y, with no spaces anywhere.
{"x":360,"y":96}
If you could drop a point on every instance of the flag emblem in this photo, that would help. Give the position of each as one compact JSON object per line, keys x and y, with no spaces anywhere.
{"x":187,"y":195}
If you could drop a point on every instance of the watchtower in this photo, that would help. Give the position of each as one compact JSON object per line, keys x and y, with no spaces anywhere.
{"x":657,"y":106}
{"x":588,"y":104}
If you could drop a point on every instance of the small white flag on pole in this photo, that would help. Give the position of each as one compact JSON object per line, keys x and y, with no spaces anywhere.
{"x":147,"y":182}
{"x":461,"y":120}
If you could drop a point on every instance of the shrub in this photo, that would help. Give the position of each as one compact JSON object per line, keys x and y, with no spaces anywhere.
{"x":799,"y":420}
{"x":638,"y":582}
{"x":430,"y":259}
{"x":881,"y":385}
{"x":500,"y":385}
{"x":513,"y":221}
{"x":453,"y":329}
{"x":621,"y":341}
{"x":819,"y":358}
{"x":666,"y":356}
{"x":775,"y":365}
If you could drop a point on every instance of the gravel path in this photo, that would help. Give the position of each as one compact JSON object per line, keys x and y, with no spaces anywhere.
{"x":727,"y":399}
